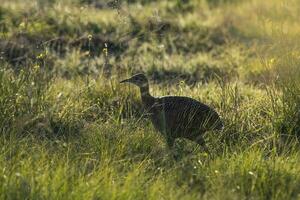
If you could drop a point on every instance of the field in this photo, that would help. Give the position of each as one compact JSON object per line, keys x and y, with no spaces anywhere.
{"x":69,"y":130}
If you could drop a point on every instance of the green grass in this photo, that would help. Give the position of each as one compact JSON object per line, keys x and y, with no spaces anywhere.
{"x":67,"y":131}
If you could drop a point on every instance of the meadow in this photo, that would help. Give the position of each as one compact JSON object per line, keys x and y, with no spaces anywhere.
{"x":69,"y":130}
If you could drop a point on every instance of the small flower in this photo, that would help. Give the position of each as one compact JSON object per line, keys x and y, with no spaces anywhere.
{"x":59,"y":95}
{"x":17,"y":174}
{"x":40,"y":56}
{"x":251,"y":173}
{"x":90,"y":37}
{"x":86,"y":53}
{"x":105,"y":49}
{"x":36,"y":67}
{"x":272,"y":61}
{"x":22,"y":25}
{"x":161,"y":46}
{"x":205,"y":154}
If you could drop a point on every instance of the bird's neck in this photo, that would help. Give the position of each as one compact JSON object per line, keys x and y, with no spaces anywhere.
{"x":147,"y":99}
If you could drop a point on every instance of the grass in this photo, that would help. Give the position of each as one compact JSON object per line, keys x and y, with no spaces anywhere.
{"x":70,"y":131}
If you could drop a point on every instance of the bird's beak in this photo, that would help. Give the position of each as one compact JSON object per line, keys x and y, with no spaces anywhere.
{"x":125,"y":81}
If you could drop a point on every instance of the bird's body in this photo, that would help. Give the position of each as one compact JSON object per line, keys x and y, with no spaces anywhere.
{"x":177,"y":116}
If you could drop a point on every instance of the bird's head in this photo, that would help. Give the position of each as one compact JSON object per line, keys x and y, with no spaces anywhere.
{"x":137,"y":79}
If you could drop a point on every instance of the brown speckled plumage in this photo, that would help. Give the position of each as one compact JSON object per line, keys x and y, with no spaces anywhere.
{"x":177,"y":116}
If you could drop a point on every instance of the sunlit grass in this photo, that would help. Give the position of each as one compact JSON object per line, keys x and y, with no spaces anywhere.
{"x":67,"y":132}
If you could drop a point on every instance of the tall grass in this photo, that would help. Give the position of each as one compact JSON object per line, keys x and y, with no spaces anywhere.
{"x":65,"y":138}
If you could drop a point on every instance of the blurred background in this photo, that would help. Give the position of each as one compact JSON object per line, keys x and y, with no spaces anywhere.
{"x":191,"y":40}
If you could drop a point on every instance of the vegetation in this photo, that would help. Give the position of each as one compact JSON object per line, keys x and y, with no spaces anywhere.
{"x":69,"y":130}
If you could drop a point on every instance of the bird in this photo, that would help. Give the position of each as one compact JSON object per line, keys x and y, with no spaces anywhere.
{"x":177,"y":116}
